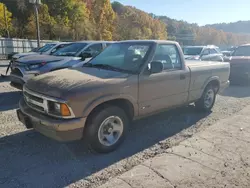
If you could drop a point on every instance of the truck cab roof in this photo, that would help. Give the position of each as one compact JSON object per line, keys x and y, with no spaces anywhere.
{"x":149,"y":41}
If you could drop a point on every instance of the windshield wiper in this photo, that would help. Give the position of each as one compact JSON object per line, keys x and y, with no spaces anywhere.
{"x":87,"y":65}
{"x":104,"y":66}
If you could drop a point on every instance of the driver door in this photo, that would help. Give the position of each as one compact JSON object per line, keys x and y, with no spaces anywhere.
{"x":165,"y":89}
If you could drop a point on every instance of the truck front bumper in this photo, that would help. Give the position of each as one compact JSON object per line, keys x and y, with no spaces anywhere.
{"x":58,"y":129}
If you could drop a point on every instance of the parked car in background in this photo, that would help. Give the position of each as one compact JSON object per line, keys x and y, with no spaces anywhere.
{"x":10,"y":55}
{"x":240,"y":64}
{"x":127,"y":81}
{"x":203,"y":53}
{"x":30,"y":66}
{"x":81,"y":63}
{"x":226,"y":53}
{"x":47,"y":49}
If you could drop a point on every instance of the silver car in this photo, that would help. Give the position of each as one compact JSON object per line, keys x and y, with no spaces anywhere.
{"x":47,"y":49}
{"x":203,"y":53}
{"x":27,"y":67}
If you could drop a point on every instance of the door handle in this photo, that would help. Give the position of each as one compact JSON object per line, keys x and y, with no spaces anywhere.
{"x":182,"y":76}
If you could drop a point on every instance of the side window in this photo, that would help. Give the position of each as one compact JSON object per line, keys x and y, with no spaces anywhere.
{"x":94,"y":49}
{"x":58,"y":47}
{"x":205,"y":52}
{"x":213,"y":51}
{"x":108,"y":44}
{"x":168,"y":54}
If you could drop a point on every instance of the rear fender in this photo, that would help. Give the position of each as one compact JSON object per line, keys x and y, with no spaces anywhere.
{"x":213,"y":78}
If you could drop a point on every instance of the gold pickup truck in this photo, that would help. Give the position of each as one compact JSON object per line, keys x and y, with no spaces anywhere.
{"x":127,"y":81}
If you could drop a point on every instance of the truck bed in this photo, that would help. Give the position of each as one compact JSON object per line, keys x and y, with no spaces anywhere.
{"x":200,"y":71}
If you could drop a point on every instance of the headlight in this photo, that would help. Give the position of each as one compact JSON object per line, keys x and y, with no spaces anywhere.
{"x":35,"y":66}
{"x":59,"y":109}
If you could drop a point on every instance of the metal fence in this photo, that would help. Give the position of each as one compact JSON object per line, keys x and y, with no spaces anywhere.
{"x":9,"y":45}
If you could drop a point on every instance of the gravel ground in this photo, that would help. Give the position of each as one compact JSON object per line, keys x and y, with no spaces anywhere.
{"x":28,"y":159}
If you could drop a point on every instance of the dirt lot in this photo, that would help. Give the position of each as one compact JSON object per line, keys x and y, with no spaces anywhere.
{"x":28,"y":159}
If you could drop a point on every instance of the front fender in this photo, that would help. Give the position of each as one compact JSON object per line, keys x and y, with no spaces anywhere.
{"x":100,"y":100}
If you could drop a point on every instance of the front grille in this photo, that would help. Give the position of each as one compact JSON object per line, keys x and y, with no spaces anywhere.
{"x":37,"y":99}
{"x":41,"y":103}
{"x":14,"y":59}
{"x":39,"y":108}
{"x":17,"y":72}
{"x":17,"y":63}
{"x":35,"y":102}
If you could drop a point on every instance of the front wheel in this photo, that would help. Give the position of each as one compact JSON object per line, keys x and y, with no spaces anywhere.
{"x":106,"y":129}
{"x":206,"y":102}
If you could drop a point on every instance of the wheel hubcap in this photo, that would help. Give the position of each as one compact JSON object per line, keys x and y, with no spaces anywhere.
{"x":110,"y":130}
{"x":209,"y":98}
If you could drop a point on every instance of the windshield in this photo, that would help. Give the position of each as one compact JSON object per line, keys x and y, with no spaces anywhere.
{"x":218,"y":50}
{"x":242,"y":51}
{"x":122,"y":56}
{"x":46,"y":47}
{"x":192,"y":50}
{"x":70,"y":50}
{"x":34,"y":50}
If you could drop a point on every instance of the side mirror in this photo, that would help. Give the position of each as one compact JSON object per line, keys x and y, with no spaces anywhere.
{"x":156,"y":67}
{"x":85,"y":55}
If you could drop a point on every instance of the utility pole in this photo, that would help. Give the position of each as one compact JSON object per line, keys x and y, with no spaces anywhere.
{"x":36,"y":3}
{"x":37,"y":25}
{"x":6,"y":21}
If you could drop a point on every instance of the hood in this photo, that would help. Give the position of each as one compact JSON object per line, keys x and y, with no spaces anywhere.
{"x":44,"y":58}
{"x":240,"y":59}
{"x":69,"y":82}
{"x":192,"y":57}
{"x":20,"y":55}
{"x":186,"y":56}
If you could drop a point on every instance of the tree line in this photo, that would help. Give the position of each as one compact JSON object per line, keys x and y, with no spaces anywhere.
{"x":242,"y":27}
{"x":102,"y":20}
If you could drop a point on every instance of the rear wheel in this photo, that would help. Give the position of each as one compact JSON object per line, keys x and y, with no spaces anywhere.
{"x":206,"y":102}
{"x":106,"y":129}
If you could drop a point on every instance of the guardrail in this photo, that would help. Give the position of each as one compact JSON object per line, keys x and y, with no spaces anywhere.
{"x":9,"y":45}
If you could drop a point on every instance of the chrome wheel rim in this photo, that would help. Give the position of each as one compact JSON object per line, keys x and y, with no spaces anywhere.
{"x":110,"y":130}
{"x":209,"y":98}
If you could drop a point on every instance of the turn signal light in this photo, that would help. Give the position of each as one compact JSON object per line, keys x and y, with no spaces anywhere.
{"x":65,"y":110}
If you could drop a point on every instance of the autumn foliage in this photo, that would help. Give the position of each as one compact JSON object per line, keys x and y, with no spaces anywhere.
{"x":102,"y":20}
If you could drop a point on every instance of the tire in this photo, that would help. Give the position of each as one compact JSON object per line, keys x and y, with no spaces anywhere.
{"x":203,"y":104}
{"x":96,"y":128}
